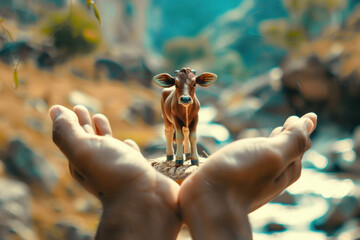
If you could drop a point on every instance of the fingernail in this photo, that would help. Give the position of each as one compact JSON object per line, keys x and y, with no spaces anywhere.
{"x":54,"y":113}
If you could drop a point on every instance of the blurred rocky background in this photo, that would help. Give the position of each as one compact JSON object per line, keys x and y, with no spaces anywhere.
{"x":273,"y":58}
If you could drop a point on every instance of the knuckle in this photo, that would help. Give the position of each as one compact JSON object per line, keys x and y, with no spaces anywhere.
{"x":301,"y":140}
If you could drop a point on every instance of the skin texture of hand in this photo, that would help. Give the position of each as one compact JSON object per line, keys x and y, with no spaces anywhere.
{"x":138,"y":202}
{"x":241,"y":177}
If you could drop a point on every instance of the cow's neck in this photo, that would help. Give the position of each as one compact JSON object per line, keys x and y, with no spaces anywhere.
{"x":184,"y":113}
{"x":186,"y":116}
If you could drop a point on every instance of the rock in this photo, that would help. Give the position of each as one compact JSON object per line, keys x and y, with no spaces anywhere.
{"x":350,"y":98}
{"x":112,"y":69}
{"x":35,"y":124}
{"x":240,"y":116}
{"x":349,"y":231}
{"x":15,"y":212}
{"x":140,"y":110}
{"x":87,"y":205}
{"x":90,"y":102}
{"x":215,"y":131}
{"x":253,"y":133}
{"x":15,"y":201}
{"x":25,"y":164}
{"x":16,"y":230}
{"x":45,"y":61}
{"x":156,"y":147}
{"x":342,"y":152}
{"x":274,"y":104}
{"x":13,"y":51}
{"x":38,"y":104}
{"x":356,"y":137}
{"x":314,"y":159}
{"x":207,"y":114}
{"x":141,"y":74}
{"x":178,"y":174}
{"x":310,"y":86}
{"x":274,"y":227}
{"x":67,"y":230}
{"x":340,"y":211}
{"x":284,"y":198}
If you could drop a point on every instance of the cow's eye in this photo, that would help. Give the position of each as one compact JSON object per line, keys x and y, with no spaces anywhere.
{"x":194,"y":84}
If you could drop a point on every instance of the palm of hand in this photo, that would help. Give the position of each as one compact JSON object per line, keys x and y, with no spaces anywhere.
{"x":253,"y":171}
{"x":103,"y":165}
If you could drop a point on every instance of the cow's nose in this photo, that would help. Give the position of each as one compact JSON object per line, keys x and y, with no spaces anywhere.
{"x":185,"y":99}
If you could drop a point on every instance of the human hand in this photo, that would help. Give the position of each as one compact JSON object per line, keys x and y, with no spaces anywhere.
{"x":241,"y":177}
{"x":138,"y":202}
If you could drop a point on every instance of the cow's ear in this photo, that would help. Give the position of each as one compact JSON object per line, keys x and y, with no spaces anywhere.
{"x":164,"y":80}
{"x":206,"y":79}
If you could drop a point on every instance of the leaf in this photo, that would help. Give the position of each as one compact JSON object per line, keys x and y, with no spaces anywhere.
{"x":96,"y":12}
{"x":9,"y":34}
{"x":2,"y":20}
{"x":16,"y":80}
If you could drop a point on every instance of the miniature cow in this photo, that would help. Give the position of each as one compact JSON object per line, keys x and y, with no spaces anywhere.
{"x":180,"y":108}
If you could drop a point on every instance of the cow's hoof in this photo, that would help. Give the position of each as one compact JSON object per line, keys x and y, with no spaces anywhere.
{"x":179,"y":163}
{"x":169,"y":157}
{"x":195,"y":162}
{"x":188,"y":156}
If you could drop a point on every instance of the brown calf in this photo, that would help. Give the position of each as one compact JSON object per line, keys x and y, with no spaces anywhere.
{"x":180,"y":108}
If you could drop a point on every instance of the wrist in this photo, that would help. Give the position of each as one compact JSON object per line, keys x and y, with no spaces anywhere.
{"x":211,"y":213}
{"x":137,"y":215}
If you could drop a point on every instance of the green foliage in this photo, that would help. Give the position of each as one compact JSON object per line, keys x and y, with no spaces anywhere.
{"x":74,"y":32}
{"x":15,"y":77}
{"x":307,"y":19}
{"x":90,"y":3}
{"x":283,"y":34}
{"x":16,"y":80}
{"x":96,"y":13}
{"x":2,"y":20}
{"x":298,"y":7}
{"x":181,"y":51}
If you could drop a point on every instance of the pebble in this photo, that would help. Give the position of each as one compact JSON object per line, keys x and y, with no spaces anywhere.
{"x":80,"y":98}
{"x":27,"y":165}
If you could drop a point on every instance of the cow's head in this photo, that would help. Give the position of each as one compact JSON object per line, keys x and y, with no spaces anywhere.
{"x":185,"y":82}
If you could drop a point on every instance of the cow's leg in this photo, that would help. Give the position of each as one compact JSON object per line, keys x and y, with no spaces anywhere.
{"x":169,"y":135}
{"x":179,"y":146}
{"x":194,"y":154}
{"x":186,"y":143}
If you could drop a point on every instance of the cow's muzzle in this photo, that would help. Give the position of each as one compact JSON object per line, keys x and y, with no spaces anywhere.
{"x":185,"y":100}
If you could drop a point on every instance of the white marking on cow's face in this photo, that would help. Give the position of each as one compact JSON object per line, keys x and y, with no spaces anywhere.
{"x":185,"y":87}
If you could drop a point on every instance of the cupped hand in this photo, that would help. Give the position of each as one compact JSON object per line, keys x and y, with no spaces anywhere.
{"x":137,"y":200}
{"x":242,"y":177}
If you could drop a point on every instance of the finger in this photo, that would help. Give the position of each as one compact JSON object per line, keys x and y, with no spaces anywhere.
{"x":313,"y":118}
{"x":295,"y":140}
{"x":102,"y":125}
{"x":84,"y":118}
{"x":276,"y":131}
{"x":289,"y":120}
{"x":132,"y":144}
{"x":66,"y":129}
